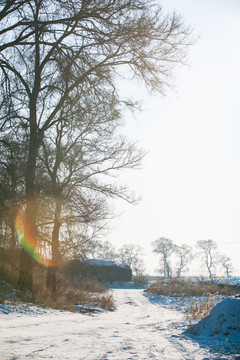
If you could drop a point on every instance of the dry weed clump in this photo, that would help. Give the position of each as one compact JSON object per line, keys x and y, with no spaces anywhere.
{"x":62,"y":299}
{"x":105,"y":301}
{"x":200,"y":308}
{"x":68,"y":295}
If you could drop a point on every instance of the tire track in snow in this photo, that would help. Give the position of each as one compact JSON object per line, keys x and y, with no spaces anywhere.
{"x":138,"y":329}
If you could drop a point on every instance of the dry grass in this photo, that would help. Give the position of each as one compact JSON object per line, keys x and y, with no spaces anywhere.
{"x":200,"y":308}
{"x":105,"y":301}
{"x":66,"y":296}
{"x":197,"y":308}
{"x":91,"y":286}
{"x":182,"y":288}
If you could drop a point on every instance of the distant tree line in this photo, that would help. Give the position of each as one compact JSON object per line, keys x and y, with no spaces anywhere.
{"x":176,"y":259}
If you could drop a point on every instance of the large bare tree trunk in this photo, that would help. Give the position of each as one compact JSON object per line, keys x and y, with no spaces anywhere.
{"x":56,"y":257}
{"x":26,"y":262}
{"x":25,"y":280}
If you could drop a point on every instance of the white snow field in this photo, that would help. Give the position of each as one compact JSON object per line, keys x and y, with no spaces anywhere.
{"x":142,"y":327}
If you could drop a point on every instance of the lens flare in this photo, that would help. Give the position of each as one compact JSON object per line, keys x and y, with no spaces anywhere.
{"x":28,"y":240}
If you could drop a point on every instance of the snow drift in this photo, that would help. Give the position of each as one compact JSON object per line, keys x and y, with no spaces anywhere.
{"x":222,"y":325}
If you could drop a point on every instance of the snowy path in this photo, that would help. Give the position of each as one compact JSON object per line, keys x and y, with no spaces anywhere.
{"x":138,"y":329}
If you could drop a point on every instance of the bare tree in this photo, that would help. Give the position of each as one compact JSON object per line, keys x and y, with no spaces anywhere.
{"x":209,"y":255}
{"x":12,"y":166}
{"x":131,"y":255}
{"x":79,"y":155}
{"x":107,"y":251}
{"x":184,"y":256}
{"x":96,"y":249}
{"x":52,"y":51}
{"x":226,"y":264}
{"x":89,"y":249}
{"x":164,"y":247}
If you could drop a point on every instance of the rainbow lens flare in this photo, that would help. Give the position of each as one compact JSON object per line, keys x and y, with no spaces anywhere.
{"x":28,"y":240}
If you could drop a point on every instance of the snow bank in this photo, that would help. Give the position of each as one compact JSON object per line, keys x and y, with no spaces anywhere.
{"x":222,"y":325}
{"x":26,"y":309}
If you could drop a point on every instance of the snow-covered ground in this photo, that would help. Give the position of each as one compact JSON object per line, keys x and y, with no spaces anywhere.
{"x":142,"y":327}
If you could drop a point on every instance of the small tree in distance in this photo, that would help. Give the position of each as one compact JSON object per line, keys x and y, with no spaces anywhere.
{"x":107,"y":251}
{"x":208,"y":255}
{"x":131,"y":255}
{"x":164,"y":247}
{"x":226,"y":264}
{"x":184,"y":257}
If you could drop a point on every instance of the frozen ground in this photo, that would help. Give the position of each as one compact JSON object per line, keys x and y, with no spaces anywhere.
{"x":142,"y":327}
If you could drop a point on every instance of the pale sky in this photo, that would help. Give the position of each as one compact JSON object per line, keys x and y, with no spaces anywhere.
{"x":190,"y":181}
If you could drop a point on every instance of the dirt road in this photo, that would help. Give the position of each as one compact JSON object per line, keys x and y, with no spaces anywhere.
{"x":138,"y":329}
